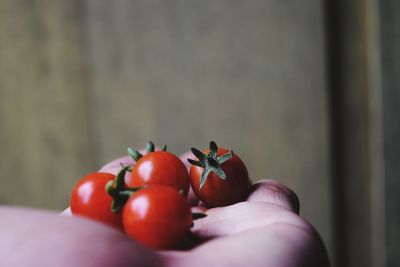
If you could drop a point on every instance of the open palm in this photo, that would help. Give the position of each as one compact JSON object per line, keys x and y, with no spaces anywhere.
{"x":263,"y":231}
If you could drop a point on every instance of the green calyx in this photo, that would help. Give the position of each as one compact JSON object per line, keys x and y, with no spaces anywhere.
{"x":116,"y":189}
{"x":136,"y":155}
{"x":210,"y":162}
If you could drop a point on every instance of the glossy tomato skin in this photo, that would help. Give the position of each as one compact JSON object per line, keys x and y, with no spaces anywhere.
{"x":161,"y":168}
{"x":89,"y":199}
{"x":158,"y":217}
{"x":217,"y":192}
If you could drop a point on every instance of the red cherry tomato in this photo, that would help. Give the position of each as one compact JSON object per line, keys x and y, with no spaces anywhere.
{"x":216,"y":191}
{"x":157,"y":216}
{"x":89,"y":199}
{"x":160,"y":168}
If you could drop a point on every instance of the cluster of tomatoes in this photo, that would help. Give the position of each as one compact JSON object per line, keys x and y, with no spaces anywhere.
{"x":151,"y":206}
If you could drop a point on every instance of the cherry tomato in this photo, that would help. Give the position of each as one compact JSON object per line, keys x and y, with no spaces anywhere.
{"x":160,"y":168}
{"x":157,"y":216}
{"x":220,"y":177}
{"x":89,"y":199}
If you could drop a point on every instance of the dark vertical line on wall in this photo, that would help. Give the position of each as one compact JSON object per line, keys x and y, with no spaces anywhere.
{"x":390,"y":47}
{"x":333,"y":42}
{"x":352,"y":32}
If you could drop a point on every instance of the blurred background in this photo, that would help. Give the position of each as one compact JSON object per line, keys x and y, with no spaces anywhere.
{"x":306,"y":92}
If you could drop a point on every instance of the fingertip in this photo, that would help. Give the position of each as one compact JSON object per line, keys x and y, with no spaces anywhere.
{"x":114,"y":166}
{"x":67,"y":212}
{"x":271,"y":191}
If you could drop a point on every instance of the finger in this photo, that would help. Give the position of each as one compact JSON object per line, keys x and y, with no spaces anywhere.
{"x":116,"y":164}
{"x":242,"y":216}
{"x":114,"y":167}
{"x":279,"y":245}
{"x":273,"y":192}
{"x":270,"y":202}
{"x":125,"y":161}
{"x":67,"y":212}
{"x":37,"y":238}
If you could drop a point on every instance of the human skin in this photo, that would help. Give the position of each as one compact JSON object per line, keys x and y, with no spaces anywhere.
{"x":263,"y":231}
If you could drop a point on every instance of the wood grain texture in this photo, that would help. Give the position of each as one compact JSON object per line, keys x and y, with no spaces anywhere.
{"x":248,"y":74}
{"x":44,"y":135}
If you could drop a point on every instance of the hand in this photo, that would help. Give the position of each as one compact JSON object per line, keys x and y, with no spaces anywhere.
{"x":263,"y":231}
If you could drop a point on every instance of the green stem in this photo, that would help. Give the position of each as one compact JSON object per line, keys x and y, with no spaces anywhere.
{"x":136,"y":155}
{"x":150,"y":147}
{"x":116,"y":189}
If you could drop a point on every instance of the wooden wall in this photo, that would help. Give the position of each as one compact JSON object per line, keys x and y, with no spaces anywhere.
{"x":82,"y":80}
{"x":45,"y":125}
{"x":248,"y":74}
{"x":356,"y":120}
{"x":390,"y":46}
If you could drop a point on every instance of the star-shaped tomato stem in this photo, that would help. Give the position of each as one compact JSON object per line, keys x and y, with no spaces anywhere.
{"x":211,"y":162}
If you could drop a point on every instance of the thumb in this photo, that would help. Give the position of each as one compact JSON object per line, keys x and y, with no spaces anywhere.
{"x":273,"y":192}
